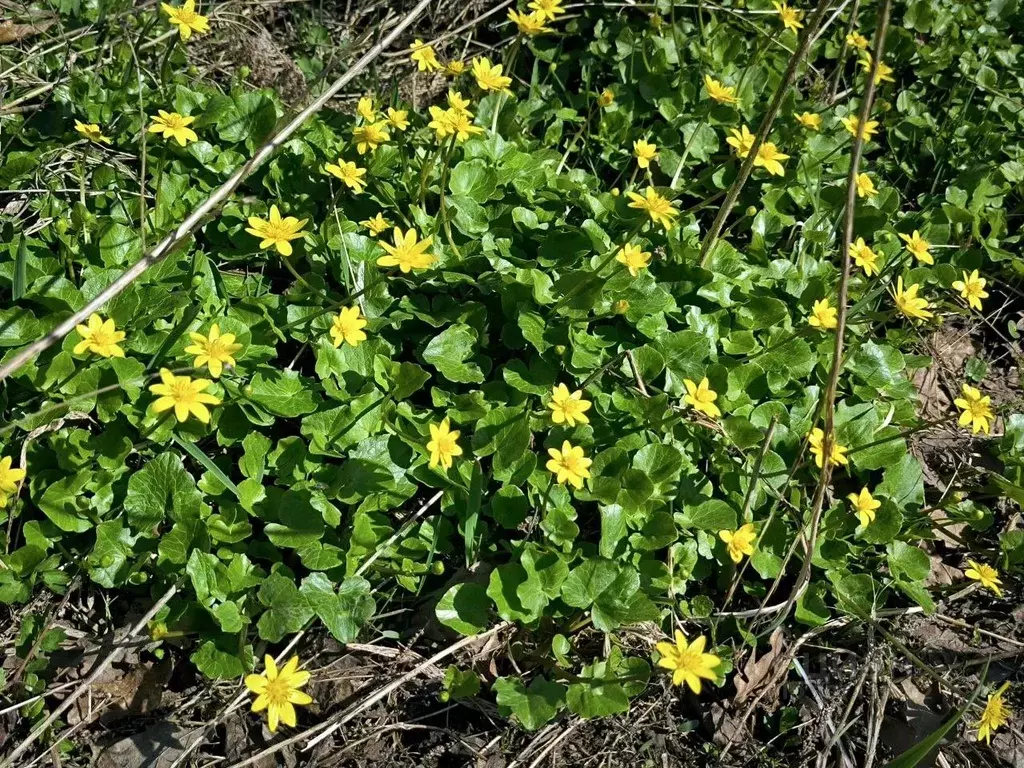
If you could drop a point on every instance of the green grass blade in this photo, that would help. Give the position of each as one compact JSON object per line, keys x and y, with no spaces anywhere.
{"x":18,"y":290}
{"x":193,"y":450}
{"x":476,"y":490}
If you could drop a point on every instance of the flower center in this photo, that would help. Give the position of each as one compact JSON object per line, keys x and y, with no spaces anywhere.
{"x":979,"y":409}
{"x":102,"y":338}
{"x":571,"y":464}
{"x":182,"y":390}
{"x":445,"y":444}
{"x":277,"y":691}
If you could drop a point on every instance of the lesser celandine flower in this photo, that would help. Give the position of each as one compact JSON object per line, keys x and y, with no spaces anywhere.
{"x":568,"y":407}
{"x":790,"y":17}
{"x":276,"y":232}
{"x":365,"y":109}
{"x":659,"y":208}
{"x":723,"y":94}
{"x":100,"y":337}
{"x":606,"y":98}
{"x":398,"y":118}
{"x":883,"y":73}
{"x":865,"y":186}
{"x":634,"y":258}
{"x":443,"y":445}
{"x":739,"y":542}
{"x":186,"y":19}
{"x":864,"y":257}
{"x":423,"y":56}
{"x":458,"y":103}
{"x":455,"y":68}
{"x":92,"y":132}
{"x":171,"y":125}
{"x":9,"y":479}
{"x":769,"y":158}
{"x":548,"y":8}
{"x":994,"y":716}
{"x":741,"y":140}
{"x":348,"y":327}
{"x":977,"y":410}
{"x":185,"y":395}
{"x":918,"y":246}
{"x":687,"y":661}
{"x":376,"y":224}
{"x":644,"y":152}
{"x":823,"y":316}
{"x":214,"y":351}
{"x":279,"y":691}
{"x":702,"y":397}
{"x":853,"y":127}
{"x":809,"y":120}
{"x":369,"y":137}
{"x":864,"y":505}
{"x":460,"y":126}
{"x":407,"y":254}
{"x":985,"y":575}
{"x":909,"y":303}
{"x":836,"y":454}
{"x":350,"y":174}
{"x":972,"y":288}
{"x":530,"y":24}
{"x":488,"y":76}
{"x":857,"y":40}
{"x":569,"y":465}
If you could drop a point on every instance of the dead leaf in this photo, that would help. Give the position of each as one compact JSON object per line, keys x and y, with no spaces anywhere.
{"x":762,"y":673}
{"x":12,"y":33}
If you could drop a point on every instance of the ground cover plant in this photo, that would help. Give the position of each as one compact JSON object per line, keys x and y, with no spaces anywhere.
{"x":602,"y":341}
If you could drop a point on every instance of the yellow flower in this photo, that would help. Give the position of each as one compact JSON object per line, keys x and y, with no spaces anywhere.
{"x":278,"y":692}
{"x":660,"y":209}
{"x":864,"y":257}
{"x":644,"y":152}
{"x":441,"y":123}
{"x":918,"y":246}
{"x":369,"y":137}
{"x":376,"y":224}
{"x":972,"y":288}
{"x":350,"y":174}
{"x":723,"y":94}
{"x":547,"y":8}
{"x":276,"y":231}
{"x":852,"y":125}
{"x":769,"y":158}
{"x":977,"y":410}
{"x":837,"y":452}
{"x":568,"y":407}
{"x":634,"y":258}
{"x":530,"y":23}
{"x":459,"y":104}
{"x":9,"y":479}
{"x":857,"y":40}
{"x":214,"y":351}
{"x":864,"y":504}
{"x":569,"y":465}
{"x":994,"y":716}
{"x":742,"y":141}
{"x":455,"y":68}
{"x":606,"y":98}
{"x":407,"y":254}
{"x":865,"y":186}
{"x":701,"y":397}
{"x":488,"y":76}
{"x":173,"y":126}
{"x":398,"y":118}
{"x":809,"y":120}
{"x":186,"y":19}
{"x":883,"y":73}
{"x":443,"y":446}
{"x":365,"y":109}
{"x":688,"y":662}
{"x":185,"y":395}
{"x":100,"y":337}
{"x":986,"y":575}
{"x":459,"y":124}
{"x":909,"y":303}
{"x":823,"y":316}
{"x":348,"y":327}
{"x":92,"y":132}
{"x":739,"y":542}
{"x":424,"y":56}
{"x":790,"y":17}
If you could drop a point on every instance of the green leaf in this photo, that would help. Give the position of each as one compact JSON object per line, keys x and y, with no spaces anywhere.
{"x":663,"y":466}
{"x":711,"y":515}
{"x":283,"y":393}
{"x":464,"y":608}
{"x":160,"y":489}
{"x":532,"y":707}
{"x":218,"y":661}
{"x":287,"y":611}
{"x":60,"y":501}
{"x":859,"y":594}
{"x":903,"y":483}
{"x":344,"y":612}
{"x":505,"y":432}
{"x":194,"y":451}
{"x":503,"y":589}
{"x":474,"y":179}
{"x":909,"y":561}
{"x":449,"y":351}
{"x":459,"y":684}
{"x":250,"y":118}
{"x":113,"y":551}
{"x":877,"y":364}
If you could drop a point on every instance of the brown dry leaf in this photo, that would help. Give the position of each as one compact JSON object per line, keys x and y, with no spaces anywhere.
{"x":12,"y":33}
{"x":761,"y":673}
